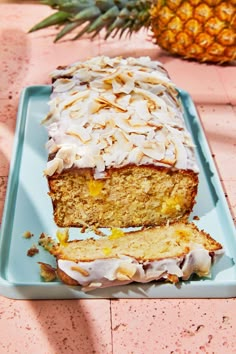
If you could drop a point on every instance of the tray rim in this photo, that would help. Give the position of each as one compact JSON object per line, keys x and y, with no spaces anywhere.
{"x":25,"y":291}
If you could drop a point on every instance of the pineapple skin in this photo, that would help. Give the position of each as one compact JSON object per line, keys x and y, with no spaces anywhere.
{"x":203,"y":30}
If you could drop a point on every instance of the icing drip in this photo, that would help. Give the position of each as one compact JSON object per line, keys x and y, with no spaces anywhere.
{"x":102,"y":273}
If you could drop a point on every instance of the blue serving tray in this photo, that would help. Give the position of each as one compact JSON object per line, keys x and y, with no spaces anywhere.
{"x":28,"y":208}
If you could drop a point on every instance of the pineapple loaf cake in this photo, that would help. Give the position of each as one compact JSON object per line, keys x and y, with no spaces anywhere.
{"x":165,"y":253}
{"x":120,"y":154}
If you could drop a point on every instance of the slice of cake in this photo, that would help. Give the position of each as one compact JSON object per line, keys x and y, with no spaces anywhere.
{"x":119,"y":151}
{"x":171,"y":253}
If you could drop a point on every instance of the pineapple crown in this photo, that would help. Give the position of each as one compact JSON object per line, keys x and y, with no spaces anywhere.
{"x":203,"y":30}
{"x":91,"y":16}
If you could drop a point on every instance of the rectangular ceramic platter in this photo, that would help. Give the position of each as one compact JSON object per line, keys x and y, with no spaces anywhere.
{"x":29,"y":208}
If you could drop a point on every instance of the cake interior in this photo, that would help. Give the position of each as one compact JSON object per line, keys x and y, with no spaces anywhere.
{"x":152,"y":244}
{"x":131,"y":195}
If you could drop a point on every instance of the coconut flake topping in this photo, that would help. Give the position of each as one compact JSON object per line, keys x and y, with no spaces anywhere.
{"x":110,"y":112}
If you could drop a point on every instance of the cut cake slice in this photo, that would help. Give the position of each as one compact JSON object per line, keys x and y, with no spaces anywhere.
{"x":171,"y":252}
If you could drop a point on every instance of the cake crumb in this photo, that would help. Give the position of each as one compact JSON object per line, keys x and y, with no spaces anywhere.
{"x":46,"y":242}
{"x":28,"y":234}
{"x":32,"y":251}
{"x":94,"y":229}
{"x":196,"y":217}
{"x":83,"y":230}
{"x":98,"y":232}
{"x":47,"y":272}
{"x":173,"y":278}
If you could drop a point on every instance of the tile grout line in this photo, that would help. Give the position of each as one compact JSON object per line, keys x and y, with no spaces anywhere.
{"x":223,"y":86}
{"x":112,"y":351}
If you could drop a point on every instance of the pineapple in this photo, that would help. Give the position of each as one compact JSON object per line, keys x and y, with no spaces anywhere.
{"x":204,"y":30}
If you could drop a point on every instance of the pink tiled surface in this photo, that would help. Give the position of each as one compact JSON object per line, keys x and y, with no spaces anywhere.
{"x":43,"y":327}
{"x":173,"y":326}
{"x":116,"y":326}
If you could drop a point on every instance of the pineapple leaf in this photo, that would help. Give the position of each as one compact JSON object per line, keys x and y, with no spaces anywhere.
{"x":124,"y":28}
{"x":104,"y":20}
{"x":70,"y":26}
{"x":72,"y":6}
{"x":115,"y":16}
{"x":51,"y":3}
{"x":83,"y":31}
{"x":113,"y":12}
{"x":104,"y":5}
{"x":88,"y":14}
{"x":116,"y":25}
{"x":54,"y":19}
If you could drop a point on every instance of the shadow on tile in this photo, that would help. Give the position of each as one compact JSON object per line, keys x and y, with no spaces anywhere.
{"x":75,"y":326}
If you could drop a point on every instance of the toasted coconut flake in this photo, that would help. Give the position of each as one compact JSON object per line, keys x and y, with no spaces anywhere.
{"x":100,"y":164}
{"x":135,"y":156}
{"x":93,"y":285}
{"x":76,"y":98}
{"x":48,"y":117}
{"x":86,"y":161}
{"x":123,"y":100}
{"x":116,"y":111}
{"x":126,"y":125}
{"x":169,"y":162}
{"x":181,"y":155}
{"x":95,"y":106}
{"x":74,"y":134}
{"x":155,"y":100}
{"x":155,"y":124}
{"x":180,"y":151}
{"x":141,"y":111}
{"x":136,"y":139}
{"x":82,"y":271}
{"x":124,"y":83}
{"x":105,"y":101}
{"x":81,"y":133}
{"x":74,"y":114}
{"x":68,"y":71}
{"x":154,"y":78}
{"x":63,"y":85}
{"x":47,"y":272}
{"x":125,"y":272}
{"x":122,"y":139}
{"x":83,"y":74}
{"x":67,"y":154}
{"x":112,"y":75}
{"x":156,"y":154}
{"x":51,"y":146}
{"x":55,"y":165}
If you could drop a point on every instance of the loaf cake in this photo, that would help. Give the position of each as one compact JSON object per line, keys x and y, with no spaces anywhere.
{"x":120,"y":154}
{"x":168,"y":253}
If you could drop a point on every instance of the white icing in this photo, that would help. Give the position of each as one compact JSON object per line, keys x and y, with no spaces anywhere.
{"x":102,"y":273}
{"x":112,"y":112}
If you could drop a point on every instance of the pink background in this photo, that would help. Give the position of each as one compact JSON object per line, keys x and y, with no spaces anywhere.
{"x":114,"y":326}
